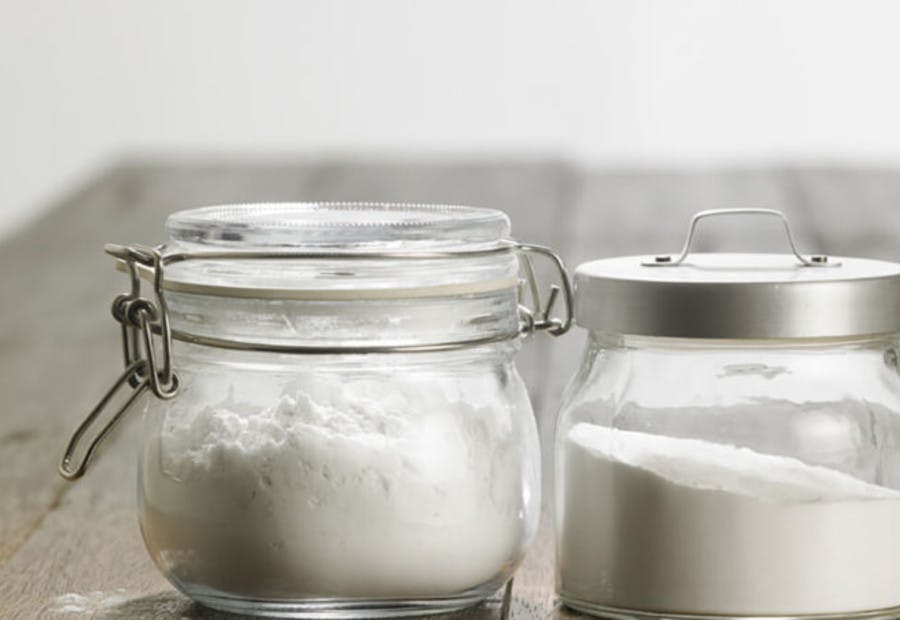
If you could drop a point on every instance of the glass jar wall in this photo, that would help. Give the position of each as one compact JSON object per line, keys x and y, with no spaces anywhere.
{"x":350,"y":484}
{"x":730,"y":478}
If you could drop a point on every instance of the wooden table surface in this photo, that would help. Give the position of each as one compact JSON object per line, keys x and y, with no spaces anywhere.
{"x":78,"y":543}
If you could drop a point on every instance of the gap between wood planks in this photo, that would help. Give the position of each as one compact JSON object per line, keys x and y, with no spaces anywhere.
{"x":19,"y":540}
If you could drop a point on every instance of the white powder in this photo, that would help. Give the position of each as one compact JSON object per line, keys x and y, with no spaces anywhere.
{"x":395,"y":488}
{"x":673,"y":525}
{"x":88,"y":604}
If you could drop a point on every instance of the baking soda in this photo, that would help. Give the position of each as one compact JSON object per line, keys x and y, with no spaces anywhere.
{"x":90,"y":603}
{"x":366,"y":489}
{"x":656,"y":523}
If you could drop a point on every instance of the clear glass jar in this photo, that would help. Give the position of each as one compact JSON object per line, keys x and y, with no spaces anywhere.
{"x":344,"y":432}
{"x":361,"y":484}
{"x":730,"y":446}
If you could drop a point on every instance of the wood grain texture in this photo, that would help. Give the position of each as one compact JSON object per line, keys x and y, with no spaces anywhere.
{"x":59,"y":348}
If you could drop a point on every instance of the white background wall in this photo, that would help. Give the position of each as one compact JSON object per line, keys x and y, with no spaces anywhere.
{"x":619,"y":82}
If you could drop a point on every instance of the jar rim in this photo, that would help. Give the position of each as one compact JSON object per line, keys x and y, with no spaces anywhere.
{"x":406,"y":290}
{"x":340,"y":226}
{"x":342,"y":250}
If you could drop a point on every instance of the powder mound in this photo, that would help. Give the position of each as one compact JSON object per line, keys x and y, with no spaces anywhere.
{"x":208,"y":437}
{"x":712,"y":466}
{"x":649,"y":522}
{"x":413,"y":486}
{"x":89,"y":603}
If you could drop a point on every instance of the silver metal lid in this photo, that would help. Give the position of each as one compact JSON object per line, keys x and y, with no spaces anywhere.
{"x":738,"y":296}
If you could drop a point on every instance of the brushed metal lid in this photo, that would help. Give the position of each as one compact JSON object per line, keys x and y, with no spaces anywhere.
{"x":740,"y":296}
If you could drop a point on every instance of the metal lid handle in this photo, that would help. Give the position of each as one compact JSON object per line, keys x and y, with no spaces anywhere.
{"x":815,"y":260}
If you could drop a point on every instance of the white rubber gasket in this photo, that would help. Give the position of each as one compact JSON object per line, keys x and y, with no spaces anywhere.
{"x":300,"y":294}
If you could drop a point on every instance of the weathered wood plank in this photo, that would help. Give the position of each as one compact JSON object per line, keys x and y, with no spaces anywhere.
{"x":58,"y":347}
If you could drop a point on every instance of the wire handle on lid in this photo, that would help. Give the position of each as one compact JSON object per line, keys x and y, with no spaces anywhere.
{"x":666,"y":260}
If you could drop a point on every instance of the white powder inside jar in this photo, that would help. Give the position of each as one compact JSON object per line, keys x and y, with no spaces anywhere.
{"x":393,"y":488}
{"x":674,"y":525}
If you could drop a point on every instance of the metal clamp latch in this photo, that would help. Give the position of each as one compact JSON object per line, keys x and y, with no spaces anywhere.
{"x":143,"y":321}
{"x":540,"y":317}
{"x":140,"y":319}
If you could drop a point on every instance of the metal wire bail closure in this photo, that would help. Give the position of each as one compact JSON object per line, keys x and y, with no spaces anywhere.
{"x":140,"y":319}
{"x":144,"y":321}
{"x":131,"y":376}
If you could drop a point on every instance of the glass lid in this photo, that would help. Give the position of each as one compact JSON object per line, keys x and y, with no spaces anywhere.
{"x":345,"y":226}
{"x":344,"y":250}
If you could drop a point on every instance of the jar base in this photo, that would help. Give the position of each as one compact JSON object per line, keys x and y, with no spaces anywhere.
{"x":338,"y":608}
{"x":618,"y":613}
